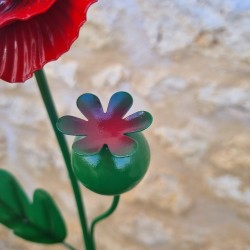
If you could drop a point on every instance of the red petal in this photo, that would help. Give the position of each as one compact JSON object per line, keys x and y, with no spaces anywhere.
{"x":87,"y":146}
{"x":90,"y":106}
{"x":11,"y":10}
{"x":122,"y":146}
{"x":26,"y":46}
{"x":137,"y":122}
{"x":70,"y":125}
{"x":119,"y":104}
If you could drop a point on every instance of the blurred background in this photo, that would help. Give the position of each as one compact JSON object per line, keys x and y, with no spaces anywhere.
{"x":187,"y":62}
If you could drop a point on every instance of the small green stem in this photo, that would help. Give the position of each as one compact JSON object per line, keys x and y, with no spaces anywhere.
{"x":51,"y":110}
{"x":103,"y":216}
{"x":68,"y":246}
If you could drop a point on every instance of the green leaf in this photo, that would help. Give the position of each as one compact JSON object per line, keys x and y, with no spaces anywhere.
{"x":39,"y":221}
{"x":14,"y":203}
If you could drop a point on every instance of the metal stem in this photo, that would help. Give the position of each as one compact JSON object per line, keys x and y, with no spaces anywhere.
{"x":51,"y":110}
{"x":104,"y":216}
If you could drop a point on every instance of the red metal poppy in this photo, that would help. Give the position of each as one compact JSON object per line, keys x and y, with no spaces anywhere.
{"x":33,"y":33}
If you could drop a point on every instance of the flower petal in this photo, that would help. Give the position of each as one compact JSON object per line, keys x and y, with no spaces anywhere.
{"x":12,"y":10}
{"x":71,"y":125}
{"x":87,"y":146}
{"x":137,"y":122}
{"x":90,"y":106}
{"x":26,"y":46}
{"x":119,"y":104}
{"x":122,"y":146}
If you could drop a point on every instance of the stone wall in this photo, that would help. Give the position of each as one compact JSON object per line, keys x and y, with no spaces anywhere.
{"x":187,"y":62}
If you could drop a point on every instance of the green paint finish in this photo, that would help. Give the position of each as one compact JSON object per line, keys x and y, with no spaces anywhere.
{"x":51,"y":110}
{"x":107,"y":174}
{"x":39,"y":221}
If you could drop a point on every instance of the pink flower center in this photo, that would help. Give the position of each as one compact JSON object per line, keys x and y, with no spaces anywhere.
{"x":105,"y":129}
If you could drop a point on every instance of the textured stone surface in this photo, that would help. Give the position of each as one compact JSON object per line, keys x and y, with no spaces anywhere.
{"x":187,"y":62}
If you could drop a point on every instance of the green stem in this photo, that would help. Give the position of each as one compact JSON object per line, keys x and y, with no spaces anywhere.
{"x":67,"y":245}
{"x":103,"y":216}
{"x":50,"y":107}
